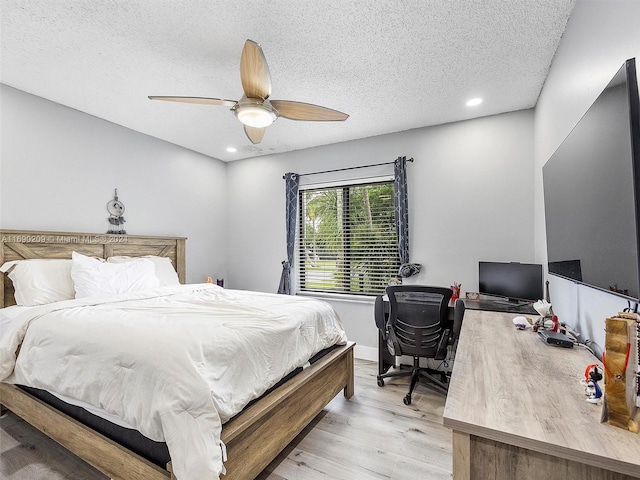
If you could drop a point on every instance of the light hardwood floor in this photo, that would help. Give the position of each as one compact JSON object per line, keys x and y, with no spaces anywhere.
{"x":372,"y":436}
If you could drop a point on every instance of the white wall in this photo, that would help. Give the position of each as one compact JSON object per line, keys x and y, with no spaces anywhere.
{"x":471,"y":196}
{"x":599,"y":37}
{"x":58,"y":169}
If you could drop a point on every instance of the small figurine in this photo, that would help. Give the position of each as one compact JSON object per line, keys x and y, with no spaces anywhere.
{"x":594,"y":393}
{"x":592,"y":389}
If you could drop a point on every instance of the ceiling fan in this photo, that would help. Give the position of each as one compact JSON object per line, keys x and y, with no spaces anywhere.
{"x":254,"y":109}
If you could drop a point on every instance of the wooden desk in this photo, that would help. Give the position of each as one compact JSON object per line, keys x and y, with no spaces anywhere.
{"x":518,"y":411}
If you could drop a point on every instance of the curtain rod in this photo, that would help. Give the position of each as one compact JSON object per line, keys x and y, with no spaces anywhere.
{"x":349,"y":168}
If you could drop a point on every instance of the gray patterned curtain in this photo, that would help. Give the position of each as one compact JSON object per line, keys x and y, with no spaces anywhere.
{"x":401,"y":204}
{"x":292,"y":181}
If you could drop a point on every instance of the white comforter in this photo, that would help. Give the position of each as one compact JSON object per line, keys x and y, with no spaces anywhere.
{"x":174,"y":362}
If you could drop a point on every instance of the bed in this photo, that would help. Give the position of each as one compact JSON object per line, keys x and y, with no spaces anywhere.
{"x":253,"y":438}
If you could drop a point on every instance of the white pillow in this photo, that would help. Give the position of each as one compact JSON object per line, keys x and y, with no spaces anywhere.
{"x":164,"y":268}
{"x":92,"y":277}
{"x":40,"y":281}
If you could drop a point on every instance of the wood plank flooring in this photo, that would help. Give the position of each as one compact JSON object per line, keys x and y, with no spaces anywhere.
{"x":371,"y":436}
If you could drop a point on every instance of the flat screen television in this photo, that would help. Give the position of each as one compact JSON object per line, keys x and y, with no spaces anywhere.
{"x":592,"y":193}
{"x":517,"y":282}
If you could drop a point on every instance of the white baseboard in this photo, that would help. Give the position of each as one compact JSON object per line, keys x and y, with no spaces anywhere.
{"x":365,"y":353}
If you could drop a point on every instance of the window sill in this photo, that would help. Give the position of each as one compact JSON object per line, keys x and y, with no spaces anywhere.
{"x":340,"y":297}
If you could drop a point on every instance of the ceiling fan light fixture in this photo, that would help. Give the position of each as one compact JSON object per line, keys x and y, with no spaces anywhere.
{"x":255,"y":115}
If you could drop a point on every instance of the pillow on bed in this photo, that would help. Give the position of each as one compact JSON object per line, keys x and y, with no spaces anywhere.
{"x":92,"y":277}
{"x":40,"y":281}
{"x":164,"y":268}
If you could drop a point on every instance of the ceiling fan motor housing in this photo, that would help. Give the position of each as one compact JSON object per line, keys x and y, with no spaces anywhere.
{"x":255,"y":112}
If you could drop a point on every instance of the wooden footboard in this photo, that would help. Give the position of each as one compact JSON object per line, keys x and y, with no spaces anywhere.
{"x":107,"y":456}
{"x":253,"y":438}
{"x":256,"y":436}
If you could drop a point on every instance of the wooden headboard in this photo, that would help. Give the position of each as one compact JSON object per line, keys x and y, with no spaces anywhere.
{"x":25,"y":244}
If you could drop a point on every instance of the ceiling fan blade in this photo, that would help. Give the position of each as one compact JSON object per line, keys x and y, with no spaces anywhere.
{"x":307,"y":111}
{"x":254,"y":71}
{"x":200,"y":100}
{"x":254,"y":134}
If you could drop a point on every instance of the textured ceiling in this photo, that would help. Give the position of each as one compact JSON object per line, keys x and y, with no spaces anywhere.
{"x":391,"y":65}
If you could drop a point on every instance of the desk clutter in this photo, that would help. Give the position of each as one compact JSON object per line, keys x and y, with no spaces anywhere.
{"x":620,"y":362}
{"x":549,"y":330}
{"x":556,"y":339}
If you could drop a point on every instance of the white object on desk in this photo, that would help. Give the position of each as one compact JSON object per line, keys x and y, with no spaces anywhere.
{"x":521,"y":322}
{"x":542,"y":307}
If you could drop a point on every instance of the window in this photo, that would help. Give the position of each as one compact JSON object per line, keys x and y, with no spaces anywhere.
{"x":348,"y":241}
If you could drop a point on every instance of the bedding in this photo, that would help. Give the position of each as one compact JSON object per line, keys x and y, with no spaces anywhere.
{"x":125,"y":435}
{"x":7,"y":315}
{"x":38,"y":282}
{"x":42,"y":281}
{"x":165,"y":272}
{"x":176,"y":362}
{"x":93,"y":277}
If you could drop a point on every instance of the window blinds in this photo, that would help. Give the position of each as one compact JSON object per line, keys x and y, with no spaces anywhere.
{"x":347,"y":241}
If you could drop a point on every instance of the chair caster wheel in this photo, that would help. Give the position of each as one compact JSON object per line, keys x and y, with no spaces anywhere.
{"x":380,"y":381}
{"x":407,"y":400}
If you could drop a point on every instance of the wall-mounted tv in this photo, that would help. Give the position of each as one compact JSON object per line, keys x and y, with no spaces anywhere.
{"x":592,"y":193}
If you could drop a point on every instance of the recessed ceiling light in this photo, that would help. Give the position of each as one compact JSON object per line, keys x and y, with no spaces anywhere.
{"x":473,"y":102}
{"x":232,"y":149}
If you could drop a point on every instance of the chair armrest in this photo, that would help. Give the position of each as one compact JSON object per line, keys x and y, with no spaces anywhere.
{"x":458,"y":315}
{"x":380,"y":317}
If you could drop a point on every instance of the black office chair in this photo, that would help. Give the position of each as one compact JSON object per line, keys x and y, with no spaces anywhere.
{"x":418,"y":326}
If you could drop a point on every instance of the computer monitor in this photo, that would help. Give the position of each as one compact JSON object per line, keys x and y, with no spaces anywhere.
{"x":514,"y":281}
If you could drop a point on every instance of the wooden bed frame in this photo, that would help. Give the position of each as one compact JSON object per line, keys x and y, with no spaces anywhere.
{"x":253,"y":438}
